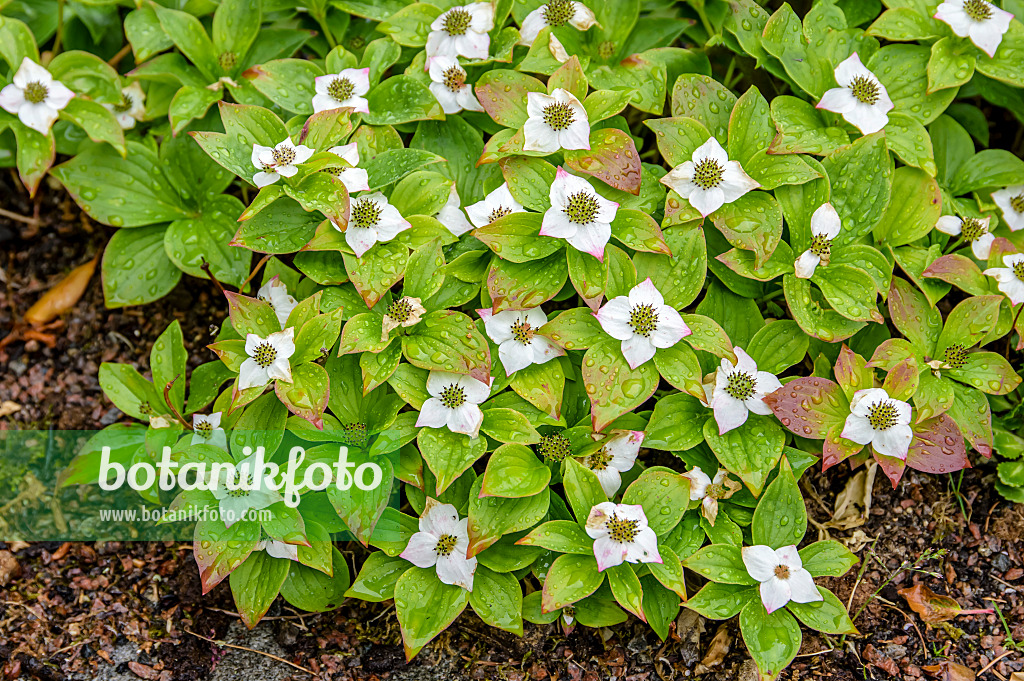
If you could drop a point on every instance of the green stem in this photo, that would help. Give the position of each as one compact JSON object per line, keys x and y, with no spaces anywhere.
{"x":704,"y":21}
{"x":952,"y":246}
{"x":321,"y":19}
{"x":60,"y":28}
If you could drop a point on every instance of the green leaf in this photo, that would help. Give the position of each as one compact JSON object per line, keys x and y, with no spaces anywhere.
{"x":916,"y":319}
{"x":498,"y":599}
{"x":514,"y":471}
{"x":16,"y":43}
{"x":753,"y":222}
{"x":167,"y":361}
{"x":750,"y":126}
{"x":626,"y":588}
{"x":521,"y":286}
{"x":570,"y":578}
{"x":722,"y":563}
{"x":676,"y":424}
{"x":96,"y":121}
{"x":401,"y":99}
{"x":190,"y":37}
{"x":679,"y":277}
{"x":219,"y":550}
{"x":306,"y":395}
{"x":772,"y":640}
{"x":750,"y":451}
{"x":778,"y":346}
{"x":915,"y":208}
{"x":780,"y":518}
{"x":679,"y":366}
{"x":613,"y":387}
{"x":394,"y":164}
{"x":447,"y":340}
{"x":988,"y":168}
{"x":1003,"y":66}
{"x":827,"y":559}
{"x":582,"y":489}
{"x":560,"y":536}
{"x":236,"y":23}
{"x":802,"y":129}
{"x":515,"y":238}
{"x":377,"y":578}
{"x":849,"y":290}
{"x":315,"y":591}
{"x":722,"y":601}
{"x":902,"y":24}
{"x":663,"y":495}
{"x":191,"y":242}
{"x":705,"y":100}
{"x":136,"y":268}
{"x":410,"y":25}
{"x":449,"y":454}
{"x":425,"y":607}
{"x":891,"y":64}
{"x":492,"y":517}
{"x":816,"y":321}
{"x":866,"y":165}
{"x":361,"y":509}
{"x":677,"y":137}
{"x":256,"y":583}
{"x":828,"y":616}
{"x":947,"y":68}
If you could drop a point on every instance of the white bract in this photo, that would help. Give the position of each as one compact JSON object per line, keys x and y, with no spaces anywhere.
{"x":709,"y":491}
{"x":132,"y":108}
{"x":206,"y":430}
{"x":616,"y":456}
{"x":515,"y":332}
{"x":881,"y":421}
{"x":497,"y":204}
{"x":461,"y":32}
{"x":643,"y":322}
{"x":274,"y":162}
{"x":555,"y":13}
{"x":275,"y":292}
{"x":579,"y":215}
{"x":451,"y":215}
{"x":442,"y":543}
{"x":739,"y":389}
{"x":35,"y":97}
{"x":1011,"y":277}
{"x":556,"y":121}
{"x":1011,"y":202}
{"x":981,"y":21}
{"x":404,"y":312}
{"x":825,"y":226}
{"x":238,"y":490}
{"x":449,"y":86}
{"x":342,"y":90}
{"x":861,"y":98}
{"x":371,"y":220}
{"x":972,"y":230}
{"x":267,"y":359}
{"x":709,"y":179}
{"x":354,"y":179}
{"x":781,"y":574}
{"x":621,"y":534}
{"x":454,"y":403}
{"x":278,"y":549}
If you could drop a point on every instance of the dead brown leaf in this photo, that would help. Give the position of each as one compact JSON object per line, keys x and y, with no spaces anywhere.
{"x":9,"y":567}
{"x":877,"y":659}
{"x":63,"y":296}
{"x":854,"y":503}
{"x":951,"y":671}
{"x":719,"y":648}
{"x":143,"y":671}
{"x":933,"y":608}
{"x":7,"y":407}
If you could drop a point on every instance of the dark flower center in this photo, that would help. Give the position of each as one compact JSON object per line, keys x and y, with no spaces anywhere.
{"x":204,"y":429}
{"x":354,"y":433}
{"x":522,"y":332}
{"x":35,"y":92}
{"x":865,"y":90}
{"x":559,"y":116}
{"x":741,"y":385}
{"x":622,"y":531}
{"x":715,"y":491}
{"x":821,"y":246}
{"x":581,"y":208}
{"x":227,"y":60}
{"x":446,"y":544}
{"x":499,"y":213}
{"x":1017,"y":203}
{"x":782,"y":572}
{"x":265,"y":354}
{"x":283,"y":155}
{"x":598,"y":461}
{"x":882,"y":415}
{"x":455,"y":78}
{"x":555,"y":447}
{"x":366,"y":213}
{"x":956,"y":356}
{"x":340,"y":89}
{"x":1018,"y":270}
{"x":124,"y":104}
{"x":978,"y":10}
{"x":400,"y":310}
{"x":357,"y":42}
{"x":643,"y":319}
{"x":456,"y":21}
{"x":558,"y":12}
{"x":606,"y":49}
{"x":453,"y":396}
{"x":708,"y":173}
{"x":144,"y":408}
{"x":973,"y":229}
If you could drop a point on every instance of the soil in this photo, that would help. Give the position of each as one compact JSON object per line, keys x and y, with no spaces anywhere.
{"x":135,"y":610}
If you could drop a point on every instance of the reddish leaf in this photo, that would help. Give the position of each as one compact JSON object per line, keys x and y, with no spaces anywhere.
{"x":901,"y":382}
{"x":933,"y":608}
{"x":960,"y":271}
{"x":852,"y":372}
{"x":810,"y":406}
{"x":938,"y":447}
{"x":836,"y":449}
{"x":892,"y":467}
{"x":890,"y":353}
{"x":502,"y":94}
{"x":916,"y":319}
{"x":612,"y":158}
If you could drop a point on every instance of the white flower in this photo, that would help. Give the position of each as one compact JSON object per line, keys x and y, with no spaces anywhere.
{"x":273,"y":162}
{"x":579,"y":215}
{"x":449,"y":85}
{"x":372,"y":219}
{"x":860,"y":98}
{"x":825,"y":226}
{"x":497,"y":204}
{"x":981,"y":21}
{"x":442,"y":543}
{"x":1011,"y":201}
{"x":643,"y":322}
{"x":342,"y":90}
{"x":555,"y":13}
{"x":973,"y":230}
{"x":740,"y":388}
{"x":275,"y":292}
{"x":616,"y":456}
{"x":879,"y":420}
{"x":354,"y":179}
{"x":206,"y":430}
{"x":454,"y":403}
{"x":556,"y":121}
{"x":461,"y":32}
{"x":132,"y":108}
{"x":451,"y":215}
{"x":243,"y":491}
{"x":709,"y":491}
{"x":621,"y":534}
{"x":709,"y":179}
{"x":278,"y":549}
{"x":268,"y":359}
{"x":157,"y":421}
{"x":515,"y":332}
{"x":406,"y":311}
{"x":782,"y":576}
{"x":35,"y":96}
{"x":1011,"y":277}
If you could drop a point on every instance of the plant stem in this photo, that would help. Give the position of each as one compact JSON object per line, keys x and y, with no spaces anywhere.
{"x":1009,"y":335}
{"x":321,"y":19}
{"x":60,"y":27}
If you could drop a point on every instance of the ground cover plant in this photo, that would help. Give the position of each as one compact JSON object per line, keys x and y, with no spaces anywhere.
{"x":592,"y":284}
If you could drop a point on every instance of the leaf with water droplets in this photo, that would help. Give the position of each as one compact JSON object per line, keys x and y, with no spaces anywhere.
{"x":938,"y":446}
{"x":612,"y":158}
{"x":615,"y":389}
{"x":219,"y":550}
{"x":447,"y":340}
{"x":809,"y":406}
{"x":960,"y":271}
{"x":490,"y":517}
{"x":425,"y":607}
{"x":750,"y":451}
